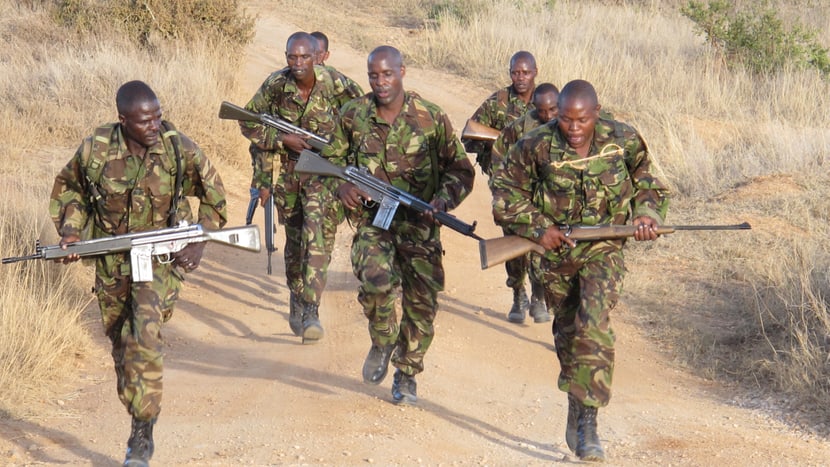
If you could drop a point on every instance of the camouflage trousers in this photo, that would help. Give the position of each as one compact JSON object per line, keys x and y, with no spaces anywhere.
{"x":132,"y":314}
{"x":582,"y":290}
{"x":408,"y":255}
{"x":310,"y":213}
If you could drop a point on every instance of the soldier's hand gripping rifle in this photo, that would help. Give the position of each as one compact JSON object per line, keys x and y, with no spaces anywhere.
{"x":230,"y":111}
{"x":498,"y":250}
{"x":387,"y":196}
{"x":144,"y":246}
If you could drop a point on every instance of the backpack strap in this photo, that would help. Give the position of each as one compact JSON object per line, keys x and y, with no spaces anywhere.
{"x":172,"y":136}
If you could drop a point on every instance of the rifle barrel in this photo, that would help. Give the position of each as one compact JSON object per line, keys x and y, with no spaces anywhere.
{"x":742,"y":226}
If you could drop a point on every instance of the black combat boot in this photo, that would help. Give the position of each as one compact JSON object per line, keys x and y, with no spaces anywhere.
{"x":312,"y":329}
{"x":404,"y":388}
{"x":140,"y":446}
{"x":377,"y":363}
{"x":538,"y":308}
{"x":295,"y":314}
{"x":520,"y":306}
{"x":574,"y":411}
{"x":588,"y":447}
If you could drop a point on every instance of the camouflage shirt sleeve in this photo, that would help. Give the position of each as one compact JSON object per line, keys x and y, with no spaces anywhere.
{"x":457,"y":173}
{"x":513,"y":183}
{"x":69,"y":203}
{"x":651,"y":196}
{"x":202,"y":181}
{"x":486,"y":115}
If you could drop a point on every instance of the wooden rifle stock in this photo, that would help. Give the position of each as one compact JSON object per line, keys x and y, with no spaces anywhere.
{"x":477,"y":131}
{"x":498,"y":250}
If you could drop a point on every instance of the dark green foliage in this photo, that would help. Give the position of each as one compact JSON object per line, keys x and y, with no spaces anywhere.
{"x":755,"y":36}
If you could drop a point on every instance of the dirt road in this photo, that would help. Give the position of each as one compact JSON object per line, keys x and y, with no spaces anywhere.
{"x":240,"y":389}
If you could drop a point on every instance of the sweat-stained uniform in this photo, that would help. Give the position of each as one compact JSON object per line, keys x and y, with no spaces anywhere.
{"x":498,"y":110}
{"x":517,"y":268}
{"x":411,"y":153}
{"x":307,"y":209}
{"x":542,"y":183}
{"x":136,"y":195}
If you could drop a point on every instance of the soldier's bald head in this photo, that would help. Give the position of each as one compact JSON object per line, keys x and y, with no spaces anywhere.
{"x":391,"y":54}
{"x":322,"y":41}
{"x":132,"y":93}
{"x":578,"y":90}
{"x":523,"y":56}
{"x":301,"y":36}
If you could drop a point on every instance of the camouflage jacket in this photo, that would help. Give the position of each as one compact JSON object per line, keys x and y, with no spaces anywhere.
{"x":501,"y":108}
{"x":512,"y":133}
{"x":403,"y":152}
{"x":542,"y":182}
{"x":136,"y":192}
{"x":353,"y":89}
{"x":279,"y":96}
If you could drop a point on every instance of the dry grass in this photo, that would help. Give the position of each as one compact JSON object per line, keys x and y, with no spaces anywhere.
{"x":40,"y":328}
{"x":748,"y":306}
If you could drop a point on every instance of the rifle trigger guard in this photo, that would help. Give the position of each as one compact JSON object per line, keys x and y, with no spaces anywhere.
{"x":568,"y":231}
{"x":368,"y":204}
{"x":165,"y":258}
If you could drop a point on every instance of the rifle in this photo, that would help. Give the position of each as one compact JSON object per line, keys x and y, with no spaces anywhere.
{"x":270,"y":228}
{"x":249,"y":215}
{"x":143,"y":246}
{"x":387,"y":196}
{"x":478,"y":131}
{"x":498,"y":250}
{"x":229,"y":111}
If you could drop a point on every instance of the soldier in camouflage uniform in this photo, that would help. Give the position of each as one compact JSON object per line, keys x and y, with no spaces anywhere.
{"x":408,"y":142}
{"x":571,"y":172}
{"x":123,"y":180}
{"x":501,"y":108}
{"x":544,"y":110}
{"x":352,"y":88}
{"x":309,"y":97}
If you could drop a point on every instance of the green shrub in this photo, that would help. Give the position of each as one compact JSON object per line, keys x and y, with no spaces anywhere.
{"x":756,"y":37}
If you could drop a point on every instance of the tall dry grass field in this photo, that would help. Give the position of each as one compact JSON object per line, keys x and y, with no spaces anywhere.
{"x":56,"y":86}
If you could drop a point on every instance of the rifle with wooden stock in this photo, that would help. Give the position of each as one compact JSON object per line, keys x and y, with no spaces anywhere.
{"x":477,"y":131}
{"x":498,"y":250}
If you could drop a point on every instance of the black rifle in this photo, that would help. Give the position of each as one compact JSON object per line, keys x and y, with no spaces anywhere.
{"x":230,"y":111}
{"x":270,"y":228}
{"x":387,"y":196}
{"x":249,"y":216}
